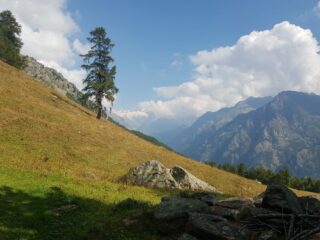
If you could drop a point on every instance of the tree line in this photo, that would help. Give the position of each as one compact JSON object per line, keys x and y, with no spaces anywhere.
{"x":266,"y":176}
{"x":98,"y":63}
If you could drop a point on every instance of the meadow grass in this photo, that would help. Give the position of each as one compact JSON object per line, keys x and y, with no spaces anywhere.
{"x":48,"y":143}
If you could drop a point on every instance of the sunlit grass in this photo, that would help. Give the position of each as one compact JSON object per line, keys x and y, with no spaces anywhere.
{"x":48,"y":142}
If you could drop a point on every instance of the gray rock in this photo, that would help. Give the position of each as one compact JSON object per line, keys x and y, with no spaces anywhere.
{"x":206,"y":226}
{"x":179,"y":208}
{"x":152,"y":174}
{"x":225,"y":212}
{"x":248,"y":213}
{"x":187,"y":236}
{"x":206,"y":197}
{"x":155,"y":174}
{"x":236,"y":203}
{"x":282,"y":199}
{"x":267,"y":235}
{"x":310,"y":204}
{"x":56,"y":81}
{"x":172,"y":215}
{"x":189,"y":182}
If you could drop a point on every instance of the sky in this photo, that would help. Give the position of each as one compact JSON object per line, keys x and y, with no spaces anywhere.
{"x":178,"y":59}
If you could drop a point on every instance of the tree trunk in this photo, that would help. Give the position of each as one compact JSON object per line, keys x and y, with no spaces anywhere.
{"x":99,"y":103}
{"x":99,"y":113}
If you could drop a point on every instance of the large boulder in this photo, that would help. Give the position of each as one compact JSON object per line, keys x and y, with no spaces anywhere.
{"x":187,"y":236}
{"x":172,"y":214}
{"x":155,"y":174}
{"x":282,"y":199}
{"x":205,"y":226}
{"x":189,"y":182}
{"x":310,"y":204}
{"x":151,"y":174}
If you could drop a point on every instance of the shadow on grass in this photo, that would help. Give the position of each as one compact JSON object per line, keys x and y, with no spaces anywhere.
{"x":57,"y":215}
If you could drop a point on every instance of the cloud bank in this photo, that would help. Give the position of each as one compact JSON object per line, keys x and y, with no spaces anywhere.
{"x":261,"y":63}
{"x":47,"y":30}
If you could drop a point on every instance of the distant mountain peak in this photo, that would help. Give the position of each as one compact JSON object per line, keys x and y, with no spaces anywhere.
{"x":284,"y":132}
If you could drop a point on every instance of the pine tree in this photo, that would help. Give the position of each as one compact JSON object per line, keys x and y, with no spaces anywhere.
{"x":99,"y":82}
{"x":10,"y":42}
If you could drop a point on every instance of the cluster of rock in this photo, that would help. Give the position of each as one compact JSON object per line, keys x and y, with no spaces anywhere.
{"x":155,"y":174}
{"x":277,"y":214}
{"x":51,"y":78}
{"x":56,"y":81}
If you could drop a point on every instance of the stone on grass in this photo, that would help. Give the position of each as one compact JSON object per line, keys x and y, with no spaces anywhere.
{"x":155,"y":174}
{"x":187,"y":181}
{"x":152,"y":174}
{"x":206,"y":226}
{"x":282,"y":199}
{"x":172,"y":215}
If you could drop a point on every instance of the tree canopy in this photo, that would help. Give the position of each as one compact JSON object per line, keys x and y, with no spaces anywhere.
{"x":10,"y":42}
{"x":99,"y":82}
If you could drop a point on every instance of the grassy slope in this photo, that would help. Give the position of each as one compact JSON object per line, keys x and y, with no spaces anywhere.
{"x":47,"y":142}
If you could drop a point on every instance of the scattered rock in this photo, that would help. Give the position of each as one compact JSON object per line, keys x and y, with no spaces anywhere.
{"x":248,"y":213}
{"x":225,"y":212}
{"x":187,"y":236}
{"x":173,"y":214}
{"x":206,"y":197}
{"x":151,"y":174}
{"x":310,"y":204}
{"x":258,"y":200}
{"x":187,"y":181}
{"x":267,"y":235}
{"x":155,"y":174}
{"x":206,"y":226}
{"x":282,"y":199}
{"x":236,"y":203}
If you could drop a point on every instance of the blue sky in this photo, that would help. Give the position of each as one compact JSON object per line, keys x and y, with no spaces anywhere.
{"x":177,"y":59}
{"x":150,"y":35}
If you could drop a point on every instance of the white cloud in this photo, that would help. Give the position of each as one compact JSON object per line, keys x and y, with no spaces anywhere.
{"x":79,"y":47}
{"x":316,"y":9}
{"x":260,"y":64}
{"x":47,"y":29}
{"x":130,"y":115}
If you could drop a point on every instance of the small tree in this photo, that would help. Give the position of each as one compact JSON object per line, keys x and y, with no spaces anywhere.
{"x":99,"y":82}
{"x":10,"y":42}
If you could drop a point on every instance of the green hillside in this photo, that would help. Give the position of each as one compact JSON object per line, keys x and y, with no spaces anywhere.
{"x":60,"y":169}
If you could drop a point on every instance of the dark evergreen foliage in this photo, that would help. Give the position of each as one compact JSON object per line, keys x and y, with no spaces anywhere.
{"x":99,"y":82}
{"x":266,"y":176}
{"x":10,"y":42}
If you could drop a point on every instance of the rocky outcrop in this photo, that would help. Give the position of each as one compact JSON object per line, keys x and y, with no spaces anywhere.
{"x":282,"y":199}
{"x":193,"y":217}
{"x":155,"y":174}
{"x":51,"y":78}
{"x":56,"y":81}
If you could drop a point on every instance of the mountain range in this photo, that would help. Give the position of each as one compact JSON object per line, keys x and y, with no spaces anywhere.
{"x":282,"y":132}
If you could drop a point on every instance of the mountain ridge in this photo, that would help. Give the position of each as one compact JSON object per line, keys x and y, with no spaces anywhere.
{"x":282,"y":133}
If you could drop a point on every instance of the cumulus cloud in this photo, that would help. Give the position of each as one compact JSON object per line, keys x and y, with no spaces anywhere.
{"x":130,"y":115}
{"x":47,"y":28}
{"x":261,"y":63}
{"x":79,"y":47}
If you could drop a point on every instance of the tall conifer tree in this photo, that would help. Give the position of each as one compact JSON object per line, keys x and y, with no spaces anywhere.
{"x":99,"y":82}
